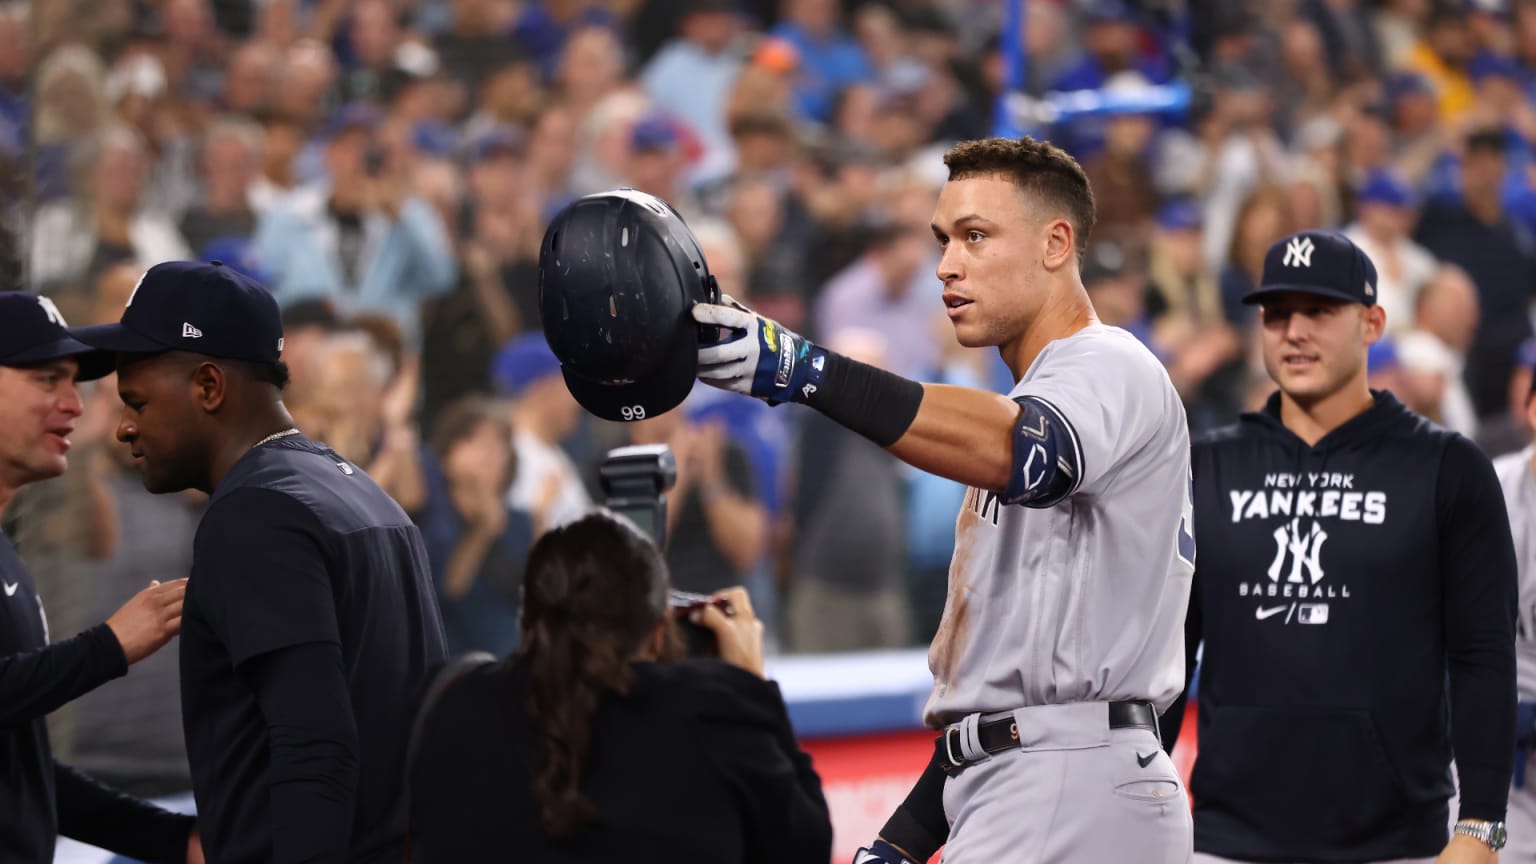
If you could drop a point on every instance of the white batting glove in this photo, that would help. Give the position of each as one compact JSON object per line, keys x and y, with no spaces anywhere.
{"x":759,"y":357}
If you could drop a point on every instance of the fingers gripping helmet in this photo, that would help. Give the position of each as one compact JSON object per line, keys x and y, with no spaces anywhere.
{"x":619,"y":273}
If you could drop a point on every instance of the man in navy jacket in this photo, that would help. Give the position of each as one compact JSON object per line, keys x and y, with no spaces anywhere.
{"x":40,"y":797}
{"x":1355,"y":594}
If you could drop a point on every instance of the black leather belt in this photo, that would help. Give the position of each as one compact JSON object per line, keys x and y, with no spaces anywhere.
{"x":1003,"y":733}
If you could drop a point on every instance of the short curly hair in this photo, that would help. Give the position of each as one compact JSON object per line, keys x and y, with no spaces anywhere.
{"x":1040,"y":168}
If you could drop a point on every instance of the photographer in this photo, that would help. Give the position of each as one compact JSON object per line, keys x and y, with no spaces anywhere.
{"x":595,"y":743}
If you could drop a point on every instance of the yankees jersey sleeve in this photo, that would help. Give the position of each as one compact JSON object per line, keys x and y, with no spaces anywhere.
{"x":1106,"y":391}
{"x":262,"y":581}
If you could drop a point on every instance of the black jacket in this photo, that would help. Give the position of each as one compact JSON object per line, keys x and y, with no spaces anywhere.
{"x":1357,"y":604}
{"x":697,"y":764}
{"x":41,"y":798}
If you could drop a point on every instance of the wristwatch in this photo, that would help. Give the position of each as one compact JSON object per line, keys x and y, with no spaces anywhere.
{"x":1491,"y":833}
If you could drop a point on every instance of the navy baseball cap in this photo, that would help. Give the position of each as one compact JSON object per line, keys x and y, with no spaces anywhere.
{"x":191,"y":306}
{"x":32,"y":331}
{"x":1324,"y":263}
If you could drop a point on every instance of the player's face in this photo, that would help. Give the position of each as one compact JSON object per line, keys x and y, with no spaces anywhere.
{"x":992,"y":261}
{"x":38,"y":408}
{"x":1315,"y":346}
{"x":159,"y":414}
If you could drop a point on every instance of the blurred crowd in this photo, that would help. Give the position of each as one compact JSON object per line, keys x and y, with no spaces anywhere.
{"x":387,"y":167}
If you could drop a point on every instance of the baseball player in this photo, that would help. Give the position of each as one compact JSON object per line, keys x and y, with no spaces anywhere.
{"x":1517,"y":476}
{"x":40,"y":364}
{"x":310,"y":618}
{"x":1355,"y":598}
{"x":1061,"y":637}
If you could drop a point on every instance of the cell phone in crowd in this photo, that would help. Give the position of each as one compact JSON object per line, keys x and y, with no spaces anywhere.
{"x":635,"y":483}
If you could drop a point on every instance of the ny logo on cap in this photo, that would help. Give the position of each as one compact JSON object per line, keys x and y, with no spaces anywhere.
{"x":135,"y":292}
{"x":190,"y":332}
{"x":51,"y":311}
{"x":1298,"y":252}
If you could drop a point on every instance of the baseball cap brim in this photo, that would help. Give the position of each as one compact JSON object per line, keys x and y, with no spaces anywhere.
{"x":93,"y":363}
{"x":1269,"y":291}
{"x":118,"y":339}
{"x":662,"y":390}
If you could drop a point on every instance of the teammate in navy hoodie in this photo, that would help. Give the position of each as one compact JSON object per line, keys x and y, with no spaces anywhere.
{"x":1355,"y":594}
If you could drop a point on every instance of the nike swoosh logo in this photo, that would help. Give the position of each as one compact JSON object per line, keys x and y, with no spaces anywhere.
{"x":10,"y":588}
{"x":1146,"y":760}
{"x":1261,"y":614}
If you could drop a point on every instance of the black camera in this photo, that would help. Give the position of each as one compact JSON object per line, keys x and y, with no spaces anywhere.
{"x":635,"y":483}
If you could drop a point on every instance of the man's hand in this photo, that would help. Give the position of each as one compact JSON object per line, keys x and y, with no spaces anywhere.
{"x":149,"y":620}
{"x":399,"y":400}
{"x":195,"y":849}
{"x":760,"y":357}
{"x":1465,"y":850}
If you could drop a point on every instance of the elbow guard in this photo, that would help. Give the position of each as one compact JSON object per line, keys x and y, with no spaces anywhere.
{"x":1047,"y":458}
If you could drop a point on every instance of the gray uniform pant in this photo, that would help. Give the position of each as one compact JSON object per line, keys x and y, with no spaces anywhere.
{"x":1074,"y":792}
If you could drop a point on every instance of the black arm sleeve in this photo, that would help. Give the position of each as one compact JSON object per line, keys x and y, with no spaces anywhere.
{"x":785,"y":815}
{"x":1172,"y":721}
{"x":919,"y":827}
{"x":312,"y":736}
{"x":1478,"y":593}
{"x":34,"y":683}
{"x":102,"y":816}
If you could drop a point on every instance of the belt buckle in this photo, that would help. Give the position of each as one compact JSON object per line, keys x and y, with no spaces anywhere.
{"x":952,"y":762}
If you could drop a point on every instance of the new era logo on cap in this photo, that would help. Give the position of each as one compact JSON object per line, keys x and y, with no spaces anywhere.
{"x":236,"y":317}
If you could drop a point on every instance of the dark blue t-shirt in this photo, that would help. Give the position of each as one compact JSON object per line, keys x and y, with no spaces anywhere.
{"x":298,"y":547}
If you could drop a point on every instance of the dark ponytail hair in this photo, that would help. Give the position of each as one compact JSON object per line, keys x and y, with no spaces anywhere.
{"x":593,"y":593}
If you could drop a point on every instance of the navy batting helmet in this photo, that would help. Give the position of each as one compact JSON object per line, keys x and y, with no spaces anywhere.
{"x":618,"y":274}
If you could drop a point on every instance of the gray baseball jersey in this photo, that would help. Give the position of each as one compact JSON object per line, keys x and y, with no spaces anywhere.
{"x":1515,"y":476}
{"x":1085,"y":600}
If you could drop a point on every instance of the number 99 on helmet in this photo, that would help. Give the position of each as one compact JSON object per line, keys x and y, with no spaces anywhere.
{"x":619,"y":272}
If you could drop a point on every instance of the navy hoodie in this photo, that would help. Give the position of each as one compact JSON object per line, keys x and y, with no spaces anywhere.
{"x":1356,"y":600}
